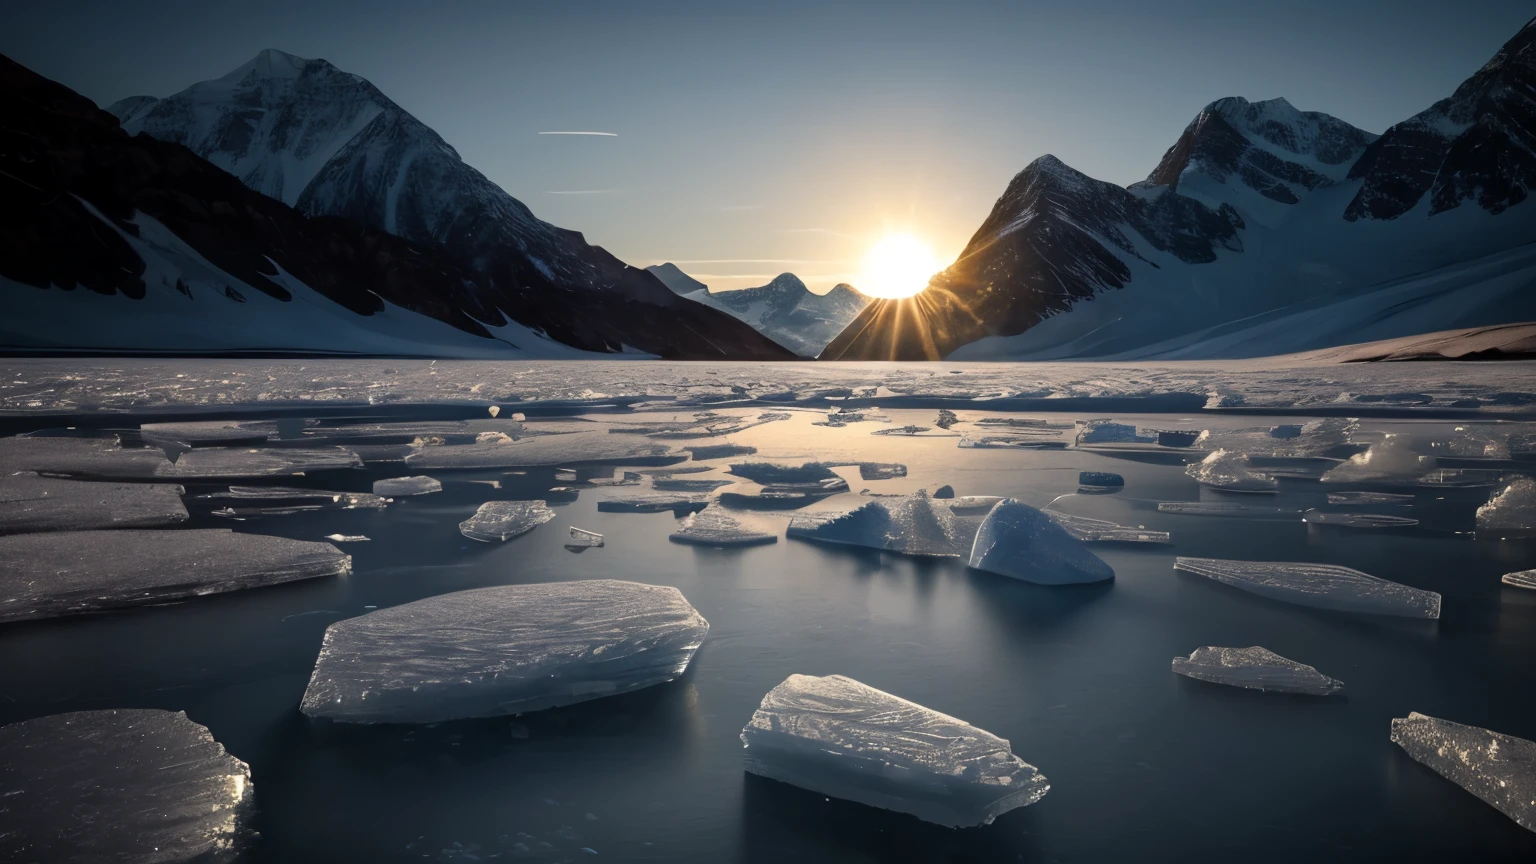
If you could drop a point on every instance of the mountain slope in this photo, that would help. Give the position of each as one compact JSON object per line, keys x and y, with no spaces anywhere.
{"x":784,"y":310}
{"x":1258,"y":212}
{"x":330,"y":144}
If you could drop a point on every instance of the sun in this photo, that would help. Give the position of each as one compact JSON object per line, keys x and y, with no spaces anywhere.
{"x":897,"y":266}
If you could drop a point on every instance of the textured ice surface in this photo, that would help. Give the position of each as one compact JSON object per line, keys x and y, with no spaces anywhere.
{"x":881,"y":470}
{"x":1231,"y":472}
{"x":844,"y":739}
{"x":1011,"y":442}
{"x":1510,"y":513}
{"x":712,"y":526}
{"x":1255,"y":669}
{"x":140,"y":785}
{"x":78,"y":457}
{"x":503,"y":520}
{"x":539,"y":451}
{"x":234,"y":462}
{"x":1521,"y":579}
{"x":1357,"y":520}
{"x":971,"y":505}
{"x":206,"y":432}
{"x":401,"y":487}
{"x":768,"y":473}
{"x":1229,"y":509}
{"x":30,"y":503}
{"x":504,"y":650}
{"x":583,"y":537}
{"x":1368,"y":499}
{"x":910,"y":525}
{"x":285,"y":500}
{"x":654,"y":503}
{"x":1102,"y":530}
{"x":70,"y":572}
{"x":1323,"y":586}
{"x":1021,"y":541}
{"x":1500,"y":769}
{"x":1309,"y":439}
{"x":1110,"y":432}
{"x":1099,"y":481}
{"x":677,"y":484}
{"x":1393,"y":459}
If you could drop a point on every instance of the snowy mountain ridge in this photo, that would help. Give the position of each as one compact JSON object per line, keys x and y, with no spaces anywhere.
{"x":784,"y":310}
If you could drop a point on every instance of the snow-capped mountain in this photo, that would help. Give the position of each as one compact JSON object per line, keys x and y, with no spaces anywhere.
{"x":332,"y":145}
{"x":1264,"y":229}
{"x":784,"y":310}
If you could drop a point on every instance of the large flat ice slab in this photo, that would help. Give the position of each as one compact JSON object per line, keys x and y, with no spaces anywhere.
{"x":29,"y":503}
{"x":656,"y":502}
{"x":128,"y":785}
{"x":1500,"y":769}
{"x":503,"y":520}
{"x":79,"y":457}
{"x":1022,"y":542}
{"x":1322,"y":586}
{"x":72,"y":572}
{"x":712,"y":526}
{"x":235,"y":462}
{"x":841,"y":738}
{"x":500,"y":451}
{"x":1255,"y":668}
{"x":505,"y":650}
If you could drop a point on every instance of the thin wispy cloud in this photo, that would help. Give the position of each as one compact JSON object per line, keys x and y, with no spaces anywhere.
{"x":582,"y":191}
{"x":598,"y":134}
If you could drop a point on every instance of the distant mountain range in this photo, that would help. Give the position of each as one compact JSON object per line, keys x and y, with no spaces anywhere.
{"x":784,"y":310}
{"x":357,"y":229}
{"x":1263,"y":230}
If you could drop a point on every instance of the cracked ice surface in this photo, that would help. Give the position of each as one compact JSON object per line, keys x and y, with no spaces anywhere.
{"x":29,"y":503}
{"x":1499,"y":769}
{"x":1255,"y":668}
{"x":1022,"y":542}
{"x":71,"y":572}
{"x":1322,"y":586}
{"x":845,"y":739}
{"x":126,"y":785}
{"x":503,"y":520}
{"x":505,"y":650}
{"x":92,"y":385}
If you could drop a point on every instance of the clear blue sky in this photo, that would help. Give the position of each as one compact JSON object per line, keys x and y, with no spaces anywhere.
{"x":770,"y":136}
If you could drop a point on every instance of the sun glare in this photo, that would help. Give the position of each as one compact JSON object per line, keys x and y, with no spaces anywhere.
{"x":897,"y":266}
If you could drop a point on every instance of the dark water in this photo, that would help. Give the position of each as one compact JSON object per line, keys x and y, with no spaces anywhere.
{"x":1144,"y":765}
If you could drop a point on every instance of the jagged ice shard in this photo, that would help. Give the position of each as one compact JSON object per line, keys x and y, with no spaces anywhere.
{"x":1022,"y":542}
{"x":503,"y":520}
{"x":130,"y":785}
{"x":1500,"y":769}
{"x":1255,"y":668}
{"x":505,"y":650}
{"x":73,"y":572}
{"x":29,"y":503}
{"x":1321,"y":586}
{"x":841,"y":738}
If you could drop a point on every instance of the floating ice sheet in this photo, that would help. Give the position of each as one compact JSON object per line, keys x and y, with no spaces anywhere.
{"x":1099,"y":481}
{"x":402,"y":487}
{"x":1499,"y":769}
{"x":1023,"y":542}
{"x":70,"y":572}
{"x":1310,"y":439}
{"x":719,"y":451}
{"x":503,"y":520}
{"x":539,"y":451}
{"x":910,"y":525}
{"x":1231,"y":472}
{"x":1369,"y":499}
{"x":1322,"y":586}
{"x":29,"y":503}
{"x":768,"y":473}
{"x":1103,"y":531}
{"x":659,"y":502}
{"x":210,"y":432}
{"x":1255,"y":668}
{"x":78,"y":457}
{"x":673,"y":484}
{"x":844,"y":739}
{"x":346,"y":538}
{"x":1010,"y":442}
{"x":1229,"y":509}
{"x":1510,"y":513}
{"x":1521,"y":579}
{"x":505,"y":650}
{"x":1357,"y":520}
{"x":128,"y":785}
{"x":234,"y":462}
{"x":1110,"y":432}
{"x":712,"y":526}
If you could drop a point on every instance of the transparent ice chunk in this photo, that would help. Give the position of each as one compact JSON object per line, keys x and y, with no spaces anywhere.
{"x":71,"y":572}
{"x":845,"y":739}
{"x":1231,"y":472}
{"x":712,"y":526}
{"x":1255,"y":668}
{"x":505,"y":650}
{"x":1023,"y":542}
{"x":503,"y":520}
{"x":1309,"y":439}
{"x":1321,"y":586}
{"x":30,"y":503}
{"x":1499,"y":769}
{"x":1510,"y":513}
{"x":1012,"y":442}
{"x":402,"y":487}
{"x":133,"y":785}
{"x":1108,"y":431}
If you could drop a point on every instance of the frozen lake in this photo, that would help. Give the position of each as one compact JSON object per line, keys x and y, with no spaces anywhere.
{"x":1144,"y":764}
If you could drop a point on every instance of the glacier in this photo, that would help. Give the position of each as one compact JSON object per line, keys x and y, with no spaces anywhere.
{"x":1022,"y":542}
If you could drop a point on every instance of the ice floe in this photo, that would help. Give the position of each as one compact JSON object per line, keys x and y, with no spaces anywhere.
{"x":1510,"y":513}
{"x":1357,"y":520}
{"x":1255,"y":668}
{"x":1110,"y":432}
{"x":1369,"y":499}
{"x":79,"y":457}
{"x":1104,"y":531}
{"x":1322,"y":586}
{"x":209,"y":463}
{"x":1227,"y":471}
{"x":1520,"y":579}
{"x":71,"y":572}
{"x":583,"y":537}
{"x":712,"y":526}
{"x":1314,"y":438}
{"x":1228,"y":509}
{"x":659,"y":502}
{"x":137,"y":785}
{"x":31,"y":503}
{"x":845,"y":739}
{"x":503,"y":520}
{"x":1023,"y":542}
{"x":197,"y":433}
{"x":505,"y":650}
{"x":675,"y":484}
{"x":1499,"y":769}
{"x":403,"y":487}
{"x":719,"y":451}
{"x":539,"y":451}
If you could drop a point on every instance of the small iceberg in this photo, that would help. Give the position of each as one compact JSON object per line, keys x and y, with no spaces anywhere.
{"x":503,"y":520}
{"x":838,"y":737}
{"x":712,"y":526}
{"x":1499,"y":769}
{"x":1511,"y":513}
{"x":346,"y":538}
{"x":1321,"y":586}
{"x":404,"y":487}
{"x":1227,"y":471}
{"x":1255,"y":668}
{"x":583,"y":537}
{"x":1022,"y":542}
{"x":512,"y":649}
{"x":910,"y":525}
